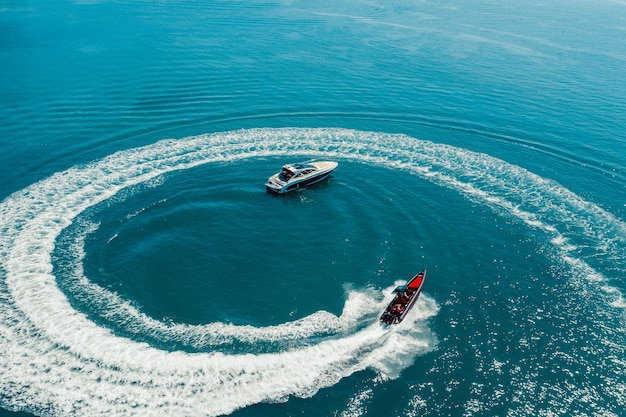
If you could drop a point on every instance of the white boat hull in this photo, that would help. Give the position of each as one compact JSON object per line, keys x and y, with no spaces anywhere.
{"x":279,"y":185}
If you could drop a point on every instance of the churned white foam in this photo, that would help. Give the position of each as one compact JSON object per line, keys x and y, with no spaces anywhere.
{"x":56,"y":361}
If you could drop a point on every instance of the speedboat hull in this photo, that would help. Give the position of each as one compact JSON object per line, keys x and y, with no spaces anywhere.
{"x":404,"y":299}
{"x":295,"y":176}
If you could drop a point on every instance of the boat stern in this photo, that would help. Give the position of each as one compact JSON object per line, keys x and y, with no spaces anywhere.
{"x":274,"y":185}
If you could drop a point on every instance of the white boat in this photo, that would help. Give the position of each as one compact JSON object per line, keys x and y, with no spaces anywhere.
{"x":299,"y":175}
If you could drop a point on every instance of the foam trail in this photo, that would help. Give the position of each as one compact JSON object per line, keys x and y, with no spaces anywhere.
{"x":56,"y":361}
{"x":114,"y":308}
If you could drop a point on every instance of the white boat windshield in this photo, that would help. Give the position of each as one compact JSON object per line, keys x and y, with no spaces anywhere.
{"x":285,"y":175}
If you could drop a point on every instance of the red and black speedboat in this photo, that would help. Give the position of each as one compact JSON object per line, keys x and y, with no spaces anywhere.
{"x":406,"y":296}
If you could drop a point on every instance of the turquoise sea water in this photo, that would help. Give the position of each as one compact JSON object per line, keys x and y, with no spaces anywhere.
{"x":144,"y":269}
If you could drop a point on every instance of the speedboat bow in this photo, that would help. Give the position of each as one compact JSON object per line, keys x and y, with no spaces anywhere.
{"x":299,"y":175}
{"x":405,"y":298}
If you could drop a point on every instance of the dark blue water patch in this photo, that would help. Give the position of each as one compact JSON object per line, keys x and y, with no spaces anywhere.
{"x":7,"y":413}
{"x":212,"y":236}
{"x":209,"y":244}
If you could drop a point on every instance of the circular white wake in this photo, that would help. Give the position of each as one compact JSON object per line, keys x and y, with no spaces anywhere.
{"x":55,"y":360}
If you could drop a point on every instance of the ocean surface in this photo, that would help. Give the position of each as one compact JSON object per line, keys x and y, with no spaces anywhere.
{"x":145,"y":270}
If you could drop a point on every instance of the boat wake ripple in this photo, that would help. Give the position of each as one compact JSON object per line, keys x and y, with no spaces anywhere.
{"x":56,"y":360}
